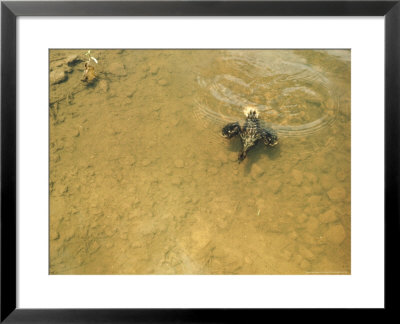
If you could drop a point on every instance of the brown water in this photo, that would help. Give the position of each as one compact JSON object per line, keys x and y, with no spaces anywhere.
{"x":142,"y":182}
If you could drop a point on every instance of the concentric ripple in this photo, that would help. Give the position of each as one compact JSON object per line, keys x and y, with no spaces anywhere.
{"x":293,"y":97}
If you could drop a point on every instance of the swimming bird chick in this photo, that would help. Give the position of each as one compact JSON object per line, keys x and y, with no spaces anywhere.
{"x":89,"y":74}
{"x":250,"y":133}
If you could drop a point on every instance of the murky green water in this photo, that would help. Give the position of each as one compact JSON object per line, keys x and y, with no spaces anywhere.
{"x":142,"y":182}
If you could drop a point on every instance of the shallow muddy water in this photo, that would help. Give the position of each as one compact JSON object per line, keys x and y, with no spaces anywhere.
{"x":142,"y":182}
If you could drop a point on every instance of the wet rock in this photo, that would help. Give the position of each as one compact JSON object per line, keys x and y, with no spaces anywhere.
{"x":176,"y":181}
{"x":286,"y":255}
{"x":146,"y":162}
{"x":103,"y":86}
{"x":301,"y":218}
{"x":305,"y":265}
{"x":72,"y":59}
{"x":312,"y":224}
{"x":328,"y":217}
{"x":297,"y":177}
{"x":221,"y":156}
{"x":108,"y":244}
{"x":326,"y":182}
{"x":233,"y":156}
{"x":117,"y":69}
{"x":335,"y":234}
{"x":314,"y":200}
{"x":222,"y":222}
{"x":326,"y":167}
{"x":311,"y":177}
{"x":309,"y":239}
{"x":297,"y":258}
{"x":54,"y":235}
{"x":337,"y":194}
{"x":256,"y":171}
{"x":56,"y":64}
{"x":201,"y":237}
{"x":306,"y":253}
{"x":154,"y":69}
{"x":94,"y":247}
{"x":317,"y":249}
{"x":174,"y":122}
{"x":316,"y":188}
{"x":261,"y":204}
{"x":257,"y":192}
{"x":163,"y":82}
{"x":307,"y":190}
{"x":68,"y":233}
{"x":58,"y":76}
{"x":212,"y":171}
{"x":293,"y":235}
{"x":273,"y":228}
{"x":217,"y":163}
{"x":130,"y":93}
{"x":67,"y":69}
{"x":179,"y":164}
{"x":110,"y":231}
{"x":131,"y":161}
{"x":341,"y":175}
{"x":146,"y":68}
{"x":56,"y":158}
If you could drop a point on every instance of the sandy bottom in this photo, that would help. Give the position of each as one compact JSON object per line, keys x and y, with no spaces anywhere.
{"x":141,"y":181}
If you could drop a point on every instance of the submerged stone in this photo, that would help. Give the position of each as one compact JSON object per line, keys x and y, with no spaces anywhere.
{"x":117,"y":69}
{"x":58,"y":76}
{"x":336,"y":194}
{"x":336,"y":234}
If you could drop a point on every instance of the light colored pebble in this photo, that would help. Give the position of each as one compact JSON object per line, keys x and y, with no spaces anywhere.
{"x":179,"y":163}
{"x":326,"y":182}
{"x":146,"y":162}
{"x":176,"y":181}
{"x":297,"y":177}
{"x":256,"y":171}
{"x":337,"y":194}
{"x":341,"y":175}
{"x":328,"y":217}
{"x":117,"y":69}
{"x":313,"y":200}
{"x":306,"y":253}
{"x":103,"y":86}
{"x":71,"y":59}
{"x":275,"y":186}
{"x":213,"y":171}
{"x":54,"y":235}
{"x":311,"y":177}
{"x":163,"y":82}
{"x":154,"y":69}
{"x":336,"y":234}
{"x":58,"y":76}
{"x":301,"y":218}
{"x":312,"y":224}
{"x":305,"y":265}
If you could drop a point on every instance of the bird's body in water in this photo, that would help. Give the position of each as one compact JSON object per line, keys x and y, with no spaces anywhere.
{"x":250,"y":133}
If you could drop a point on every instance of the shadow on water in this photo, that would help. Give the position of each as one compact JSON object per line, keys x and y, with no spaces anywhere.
{"x":259,"y":152}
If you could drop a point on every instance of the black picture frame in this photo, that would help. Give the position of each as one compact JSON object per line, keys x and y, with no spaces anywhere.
{"x":10,"y":10}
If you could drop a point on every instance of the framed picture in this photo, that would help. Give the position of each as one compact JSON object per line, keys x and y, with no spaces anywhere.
{"x":189,"y":161}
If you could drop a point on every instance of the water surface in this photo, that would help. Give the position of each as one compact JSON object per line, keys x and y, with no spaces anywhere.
{"x":142,"y":182}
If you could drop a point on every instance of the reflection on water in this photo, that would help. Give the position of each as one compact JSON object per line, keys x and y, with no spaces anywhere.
{"x":142,"y":182}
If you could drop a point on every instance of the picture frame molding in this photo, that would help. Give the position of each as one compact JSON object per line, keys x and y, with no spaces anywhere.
{"x":10,"y":10}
